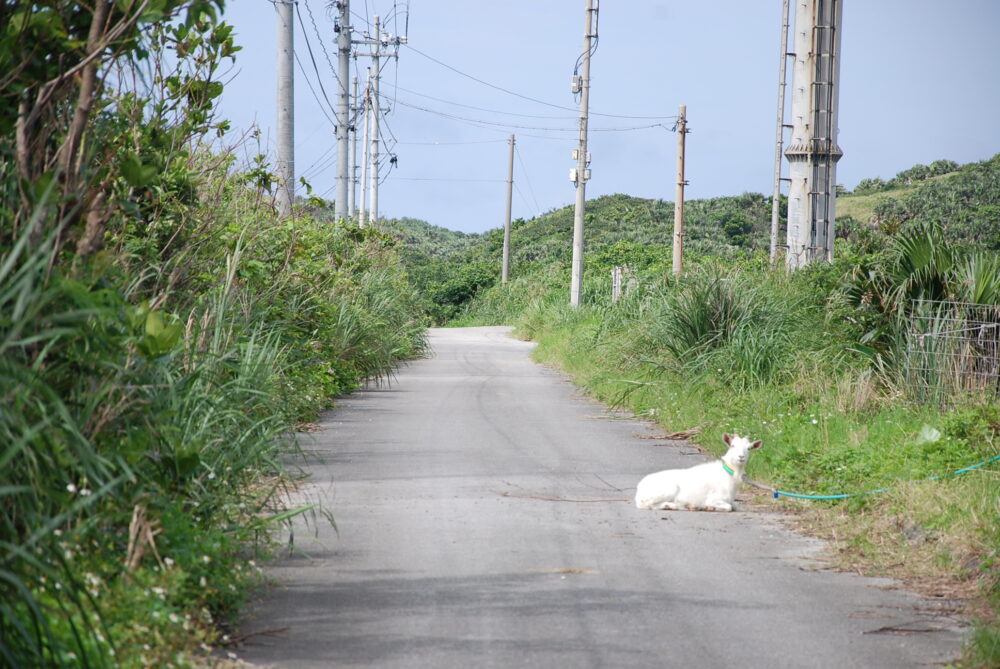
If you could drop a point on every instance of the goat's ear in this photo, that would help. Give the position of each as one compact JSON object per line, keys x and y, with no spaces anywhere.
{"x":755,"y":444}
{"x":727,"y":438}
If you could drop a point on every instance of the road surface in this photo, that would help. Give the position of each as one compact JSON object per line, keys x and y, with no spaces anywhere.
{"x":485,"y":520}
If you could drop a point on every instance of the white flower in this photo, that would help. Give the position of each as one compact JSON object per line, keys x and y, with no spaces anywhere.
{"x":815,"y":422}
{"x":71,"y":488}
{"x":85,"y":492}
{"x":168,"y":561}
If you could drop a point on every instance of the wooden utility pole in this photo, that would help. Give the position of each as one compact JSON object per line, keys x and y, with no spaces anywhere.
{"x":679,"y":197}
{"x":581,"y":173}
{"x":505,"y":270}
{"x":285,"y":166}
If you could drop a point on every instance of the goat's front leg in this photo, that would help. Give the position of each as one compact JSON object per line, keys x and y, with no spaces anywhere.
{"x":719,"y":505}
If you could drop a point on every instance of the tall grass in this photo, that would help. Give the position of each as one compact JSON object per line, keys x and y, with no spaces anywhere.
{"x":142,"y":429}
{"x":51,"y":476}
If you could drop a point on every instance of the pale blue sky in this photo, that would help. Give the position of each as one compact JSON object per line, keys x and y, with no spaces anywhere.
{"x":918,"y":83}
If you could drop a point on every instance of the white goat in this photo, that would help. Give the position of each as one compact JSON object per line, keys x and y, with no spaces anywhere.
{"x":711,"y":486}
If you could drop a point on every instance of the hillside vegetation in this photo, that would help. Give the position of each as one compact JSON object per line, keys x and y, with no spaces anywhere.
{"x":830,"y":366}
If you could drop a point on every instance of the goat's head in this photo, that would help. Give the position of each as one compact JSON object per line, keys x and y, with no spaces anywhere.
{"x":739,"y":449}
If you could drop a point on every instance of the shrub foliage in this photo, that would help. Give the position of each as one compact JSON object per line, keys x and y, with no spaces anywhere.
{"x":161,"y":331}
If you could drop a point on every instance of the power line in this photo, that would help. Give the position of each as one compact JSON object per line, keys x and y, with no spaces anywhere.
{"x":525,"y":127}
{"x":492,"y":111}
{"x":321,"y":163}
{"x":519,"y":95}
{"x":319,"y":102}
{"x":319,"y":77}
{"x":438,"y":143}
{"x":527,"y":205}
{"x":319,"y":37}
{"x":524,"y":171}
{"x":447,"y":179}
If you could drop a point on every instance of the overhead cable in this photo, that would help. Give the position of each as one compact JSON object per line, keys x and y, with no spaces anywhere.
{"x":313,"y":90}
{"x":322,"y":44}
{"x":492,"y":111}
{"x":519,"y":95}
{"x":523,"y":127}
{"x":524,"y":171}
{"x":319,"y":77}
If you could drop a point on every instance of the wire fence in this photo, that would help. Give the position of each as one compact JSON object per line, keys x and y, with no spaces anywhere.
{"x":953,"y":351}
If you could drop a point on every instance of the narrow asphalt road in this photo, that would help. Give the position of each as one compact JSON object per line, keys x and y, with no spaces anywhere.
{"x":485,"y":520}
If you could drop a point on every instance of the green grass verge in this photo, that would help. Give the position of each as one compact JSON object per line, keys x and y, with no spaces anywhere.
{"x":755,"y":353}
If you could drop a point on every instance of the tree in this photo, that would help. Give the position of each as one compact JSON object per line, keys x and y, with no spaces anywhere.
{"x":84,"y":145}
{"x":736,"y":226}
{"x":870,"y":185}
{"x":939,"y":167}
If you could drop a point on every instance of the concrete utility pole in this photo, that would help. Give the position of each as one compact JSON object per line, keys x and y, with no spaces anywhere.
{"x":679,"y":195}
{"x":779,"y":139}
{"x":343,"y":29}
{"x":374,"y":108}
{"x":352,"y":209}
{"x":581,"y":173}
{"x":812,"y":151}
{"x":505,"y":269}
{"x":285,"y":164}
{"x":366,"y":113}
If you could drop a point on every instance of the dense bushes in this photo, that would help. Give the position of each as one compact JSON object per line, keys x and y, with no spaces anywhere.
{"x":161,"y":330}
{"x":141,"y":443}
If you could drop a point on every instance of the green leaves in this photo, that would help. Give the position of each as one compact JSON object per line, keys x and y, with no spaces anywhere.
{"x":158,"y":334}
{"x":135,"y":173}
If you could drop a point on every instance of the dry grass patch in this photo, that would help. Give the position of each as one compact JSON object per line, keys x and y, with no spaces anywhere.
{"x":936,"y":538}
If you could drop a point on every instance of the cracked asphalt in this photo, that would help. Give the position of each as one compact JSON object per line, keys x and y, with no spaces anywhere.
{"x":484,"y":519}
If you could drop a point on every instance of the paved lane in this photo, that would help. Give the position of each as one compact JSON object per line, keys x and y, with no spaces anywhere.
{"x":457,"y":546}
